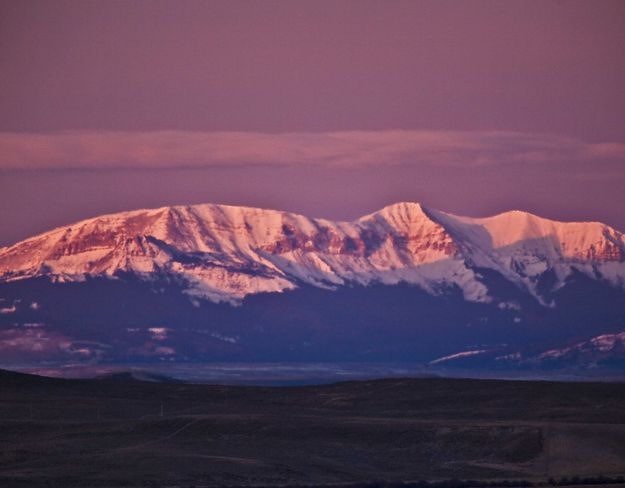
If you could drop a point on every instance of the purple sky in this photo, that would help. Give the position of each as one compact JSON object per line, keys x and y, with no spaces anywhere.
{"x":328,"y":108}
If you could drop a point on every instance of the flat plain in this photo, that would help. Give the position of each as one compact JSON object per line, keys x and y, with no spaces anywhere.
{"x":112,"y":432}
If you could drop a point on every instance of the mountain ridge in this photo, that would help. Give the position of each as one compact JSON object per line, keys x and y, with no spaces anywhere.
{"x":404,"y":203}
{"x":226,"y":252}
{"x":404,"y":284}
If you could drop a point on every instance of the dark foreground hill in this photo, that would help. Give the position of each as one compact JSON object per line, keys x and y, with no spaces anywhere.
{"x":130,"y":433}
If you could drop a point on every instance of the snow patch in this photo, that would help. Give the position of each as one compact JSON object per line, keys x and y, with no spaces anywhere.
{"x":231,"y":340}
{"x":158,"y":333}
{"x":459,"y":355}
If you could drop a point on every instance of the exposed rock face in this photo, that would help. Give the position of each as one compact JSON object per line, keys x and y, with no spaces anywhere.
{"x":224,"y":253}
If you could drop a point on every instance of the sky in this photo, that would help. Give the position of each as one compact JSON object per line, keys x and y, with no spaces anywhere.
{"x":328,"y":108}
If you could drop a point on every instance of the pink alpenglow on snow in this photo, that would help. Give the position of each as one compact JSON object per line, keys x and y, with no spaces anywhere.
{"x":237,"y":251}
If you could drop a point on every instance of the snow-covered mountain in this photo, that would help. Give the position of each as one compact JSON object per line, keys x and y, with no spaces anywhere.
{"x":605,"y":349}
{"x":216,"y":282}
{"x":224,"y":253}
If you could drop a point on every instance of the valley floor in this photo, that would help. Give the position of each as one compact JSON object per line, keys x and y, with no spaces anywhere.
{"x":110,"y":433}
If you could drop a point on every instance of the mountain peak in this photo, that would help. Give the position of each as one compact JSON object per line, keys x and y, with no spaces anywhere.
{"x":230,"y":251}
{"x":411,"y":208}
{"x":400,"y":213}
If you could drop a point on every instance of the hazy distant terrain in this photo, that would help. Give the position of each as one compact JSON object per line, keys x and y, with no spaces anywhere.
{"x":111,"y":433}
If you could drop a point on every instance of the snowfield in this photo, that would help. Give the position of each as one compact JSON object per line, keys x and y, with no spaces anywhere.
{"x":224,"y":253}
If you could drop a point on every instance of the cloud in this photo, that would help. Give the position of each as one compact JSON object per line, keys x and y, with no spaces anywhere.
{"x":173,"y":149}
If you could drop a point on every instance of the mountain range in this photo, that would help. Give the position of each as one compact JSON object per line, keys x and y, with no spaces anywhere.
{"x":406,"y":283}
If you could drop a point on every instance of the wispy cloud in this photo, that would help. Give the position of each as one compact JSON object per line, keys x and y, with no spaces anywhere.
{"x":172,"y":149}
